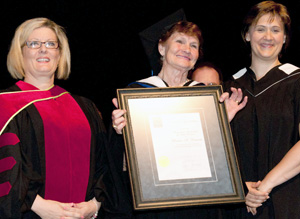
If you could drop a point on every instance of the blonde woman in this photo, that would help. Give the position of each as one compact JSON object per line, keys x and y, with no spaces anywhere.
{"x":52,"y":143}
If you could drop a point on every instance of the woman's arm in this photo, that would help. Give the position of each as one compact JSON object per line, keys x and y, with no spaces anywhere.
{"x":286,"y":169}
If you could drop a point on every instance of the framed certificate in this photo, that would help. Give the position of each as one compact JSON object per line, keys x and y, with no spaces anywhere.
{"x":179,"y":147}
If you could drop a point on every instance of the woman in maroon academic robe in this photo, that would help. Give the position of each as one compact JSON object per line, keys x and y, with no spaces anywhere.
{"x":54,"y":162}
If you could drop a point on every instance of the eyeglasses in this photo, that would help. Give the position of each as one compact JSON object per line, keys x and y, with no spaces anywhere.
{"x":38,"y":44}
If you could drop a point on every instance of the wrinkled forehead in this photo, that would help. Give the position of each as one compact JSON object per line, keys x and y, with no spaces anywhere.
{"x":190,"y":37}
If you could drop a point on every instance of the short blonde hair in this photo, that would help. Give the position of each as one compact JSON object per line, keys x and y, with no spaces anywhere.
{"x":15,"y":63}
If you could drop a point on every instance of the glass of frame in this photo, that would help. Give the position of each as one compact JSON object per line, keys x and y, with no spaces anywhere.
{"x":179,"y":147}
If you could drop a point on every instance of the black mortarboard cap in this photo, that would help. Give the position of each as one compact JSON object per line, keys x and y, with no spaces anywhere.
{"x":152,"y":34}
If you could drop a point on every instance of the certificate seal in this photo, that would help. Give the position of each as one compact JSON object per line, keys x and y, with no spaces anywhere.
{"x":163,"y":161}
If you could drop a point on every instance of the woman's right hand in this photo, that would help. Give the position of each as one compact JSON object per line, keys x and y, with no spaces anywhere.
{"x":233,"y":102}
{"x":117,"y":116}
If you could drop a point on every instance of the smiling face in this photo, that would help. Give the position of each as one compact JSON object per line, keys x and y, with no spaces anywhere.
{"x":266,"y":38}
{"x":42,"y":62}
{"x":180,"y":51}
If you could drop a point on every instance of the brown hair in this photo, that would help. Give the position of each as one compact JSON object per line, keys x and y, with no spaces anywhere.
{"x":268,"y":7}
{"x":185,"y":27}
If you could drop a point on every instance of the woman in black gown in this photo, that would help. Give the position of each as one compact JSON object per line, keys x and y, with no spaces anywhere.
{"x":268,"y":126}
{"x":180,"y":46}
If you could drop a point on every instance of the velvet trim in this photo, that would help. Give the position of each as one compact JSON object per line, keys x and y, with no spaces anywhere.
{"x":7,"y":163}
{"x":8,"y":139}
{"x":15,"y":102}
{"x":67,"y":137}
{"x":4,"y":188}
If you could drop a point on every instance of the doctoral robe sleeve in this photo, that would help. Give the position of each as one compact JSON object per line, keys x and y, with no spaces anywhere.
{"x":20,"y":167}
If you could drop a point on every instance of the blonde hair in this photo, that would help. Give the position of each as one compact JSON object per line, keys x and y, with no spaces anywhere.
{"x":15,"y":63}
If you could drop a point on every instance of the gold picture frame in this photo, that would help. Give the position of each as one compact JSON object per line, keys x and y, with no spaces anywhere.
{"x":179,"y":147}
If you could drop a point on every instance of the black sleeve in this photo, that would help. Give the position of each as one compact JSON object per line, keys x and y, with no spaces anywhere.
{"x":25,"y":177}
{"x":105,"y":182}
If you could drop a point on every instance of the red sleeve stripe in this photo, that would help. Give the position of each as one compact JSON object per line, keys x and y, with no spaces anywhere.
{"x":4,"y":188}
{"x":8,"y":139}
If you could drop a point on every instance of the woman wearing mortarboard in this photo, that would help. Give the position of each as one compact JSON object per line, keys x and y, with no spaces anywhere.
{"x":179,"y":46}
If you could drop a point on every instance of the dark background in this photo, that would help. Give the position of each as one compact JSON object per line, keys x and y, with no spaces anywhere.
{"x":105,"y":47}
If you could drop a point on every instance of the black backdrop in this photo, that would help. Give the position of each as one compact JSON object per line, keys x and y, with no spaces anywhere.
{"x":105,"y":47}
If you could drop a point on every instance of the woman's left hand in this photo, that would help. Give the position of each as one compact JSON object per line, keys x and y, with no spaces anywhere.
{"x":87,"y":209}
{"x":255,"y":197}
{"x":233,"y":102}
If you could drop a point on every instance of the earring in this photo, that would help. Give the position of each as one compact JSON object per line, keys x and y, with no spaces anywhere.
{"x":247,"y":37}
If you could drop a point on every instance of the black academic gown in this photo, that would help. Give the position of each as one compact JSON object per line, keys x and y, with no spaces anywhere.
{"x":28,"y":175}
{"x":118,"y":149}
{"x":264,"y":131}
